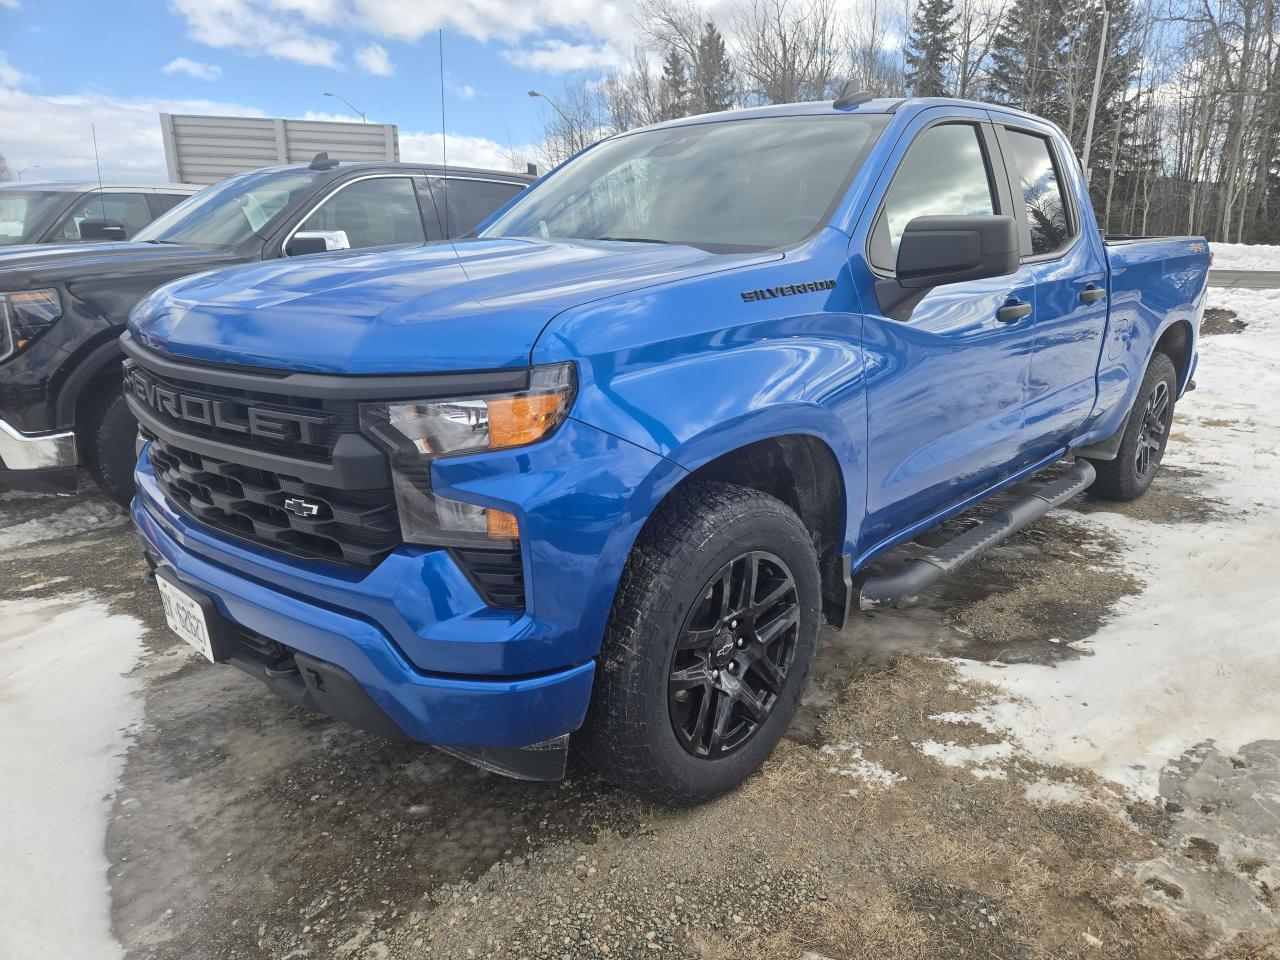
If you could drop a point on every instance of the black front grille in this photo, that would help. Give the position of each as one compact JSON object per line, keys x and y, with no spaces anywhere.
{"x":357,"y":527}
{"x":497,"y":575}
{"x":303,"y":427}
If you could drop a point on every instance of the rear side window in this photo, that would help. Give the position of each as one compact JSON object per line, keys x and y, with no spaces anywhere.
{"x":372,"y":213}
{"x":944,"y":173}
{"x":467,"y":202}
{"x":1041,"y":191}
{"x":170,"y":200}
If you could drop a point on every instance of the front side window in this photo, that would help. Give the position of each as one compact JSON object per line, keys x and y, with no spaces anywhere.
{"x":231,"y":211}
{"x":21,"y":212}
{"x":131,"y":209}
{"x":468,"y":202}
{"x":944,"y":173}
{"x":749,"y":184}
{"x":372,"y":213}
{"x":1041,"y":191}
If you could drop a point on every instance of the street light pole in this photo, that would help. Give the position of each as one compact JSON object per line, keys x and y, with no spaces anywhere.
{"x":573,"y":136}
{"x":34,"y":166}
{"x":363,"y":118}
{"x":1093,"y":99}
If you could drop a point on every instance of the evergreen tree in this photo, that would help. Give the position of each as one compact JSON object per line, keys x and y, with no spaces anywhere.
{"x":675,"y":92}
{"x":930,"y":48}
{"x":713,"y":72}
{"x":1027,"y":56}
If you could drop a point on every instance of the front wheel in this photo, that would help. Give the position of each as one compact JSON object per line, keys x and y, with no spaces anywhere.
{"x":708,"y":645}
{"x":109,"y":438}
{"x":1146,"y":433}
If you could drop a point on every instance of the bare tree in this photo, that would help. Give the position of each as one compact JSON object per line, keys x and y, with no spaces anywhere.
{"x":788,"y":51}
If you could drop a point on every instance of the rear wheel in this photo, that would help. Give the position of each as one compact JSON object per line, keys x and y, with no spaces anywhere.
{"x":109,"y":445}
{"x":708,"y":645}
{"x":1146,"y":434}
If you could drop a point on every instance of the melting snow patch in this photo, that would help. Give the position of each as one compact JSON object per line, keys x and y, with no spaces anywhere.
{"x":65,"y":711}
{"x":1056,"y":793}
{"x":1193,"y":657}
{"x":851,"y":763}
{"x":978,"y":758}
{"x":78,"y":518}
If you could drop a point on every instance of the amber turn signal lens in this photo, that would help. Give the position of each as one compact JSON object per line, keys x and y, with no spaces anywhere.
{"x":515,"y":421}
{"x":502,"y":525}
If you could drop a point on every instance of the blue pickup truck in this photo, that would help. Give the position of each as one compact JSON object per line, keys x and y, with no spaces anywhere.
{"x":601,"y":469}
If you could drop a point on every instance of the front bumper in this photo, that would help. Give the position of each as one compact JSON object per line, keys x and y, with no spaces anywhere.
{"x":443,"y":710}
{"x":45,"y":462}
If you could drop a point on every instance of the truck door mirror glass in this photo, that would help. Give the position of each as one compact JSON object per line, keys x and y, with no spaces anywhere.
{"x":317,"y":241}
{"x":100,"y":229}
{"x":940,"y":250}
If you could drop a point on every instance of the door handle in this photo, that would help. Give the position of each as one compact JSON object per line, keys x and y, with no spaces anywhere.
{"x":1013,"y":311}
{"x":1092,"y":294}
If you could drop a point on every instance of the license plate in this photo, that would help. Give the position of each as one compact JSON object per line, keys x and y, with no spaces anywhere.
{"x":185,"y":617}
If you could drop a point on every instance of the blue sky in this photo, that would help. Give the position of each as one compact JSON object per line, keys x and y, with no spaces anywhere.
{"x":118,"y":63}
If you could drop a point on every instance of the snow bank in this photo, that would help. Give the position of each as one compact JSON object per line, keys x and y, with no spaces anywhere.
{"x":77,"y":518}
{"x":65,"y":709}
{"x":1245,"y":256}
{"x":1197,"y":654}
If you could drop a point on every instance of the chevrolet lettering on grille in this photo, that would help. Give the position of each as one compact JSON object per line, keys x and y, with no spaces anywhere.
{"x":220,"y":414}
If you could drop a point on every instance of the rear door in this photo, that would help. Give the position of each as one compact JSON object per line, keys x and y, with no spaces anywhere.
{"x":946,"y":386}
{"x":1070,"y":272}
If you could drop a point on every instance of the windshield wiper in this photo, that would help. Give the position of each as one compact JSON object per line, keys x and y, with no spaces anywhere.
{"x":630,"y":239}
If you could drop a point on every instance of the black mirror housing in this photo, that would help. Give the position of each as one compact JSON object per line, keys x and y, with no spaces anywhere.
{"x":939,"y":250}
{"x":94,"y":228}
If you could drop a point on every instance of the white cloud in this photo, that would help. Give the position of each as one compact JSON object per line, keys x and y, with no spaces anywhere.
{"x":10,"y":76}
{"x":9,"y":4}
{"x":295,"y":29}
{"x":373,"y":59}
{"x":192,"y":68}
{"x":463,"y":91}
{"x":464,"y":151}
{"x":53,"y":132}
{"x":559,"y":56}
{"x":271,"y":27}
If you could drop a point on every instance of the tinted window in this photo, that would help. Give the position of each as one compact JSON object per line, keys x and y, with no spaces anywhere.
{"x":131,"y":209}
{"x":372,"y":213}
{"x":468,"y":202}
{"x":170,"y":200}
{"x":21,"y":211}
{"x":944,"y":173}
{"x":1041,"y":191}
{"x":748,"y":184}
{"x":230,"y":211}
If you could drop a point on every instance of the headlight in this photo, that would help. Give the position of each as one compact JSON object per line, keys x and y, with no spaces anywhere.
{"x":415,"y":433}
{"x":24,"y":315}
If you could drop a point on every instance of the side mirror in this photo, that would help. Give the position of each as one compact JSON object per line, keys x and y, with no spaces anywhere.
{"x":92,"y":228}
{"x":316,"y":241}
{"x":935,"y":251}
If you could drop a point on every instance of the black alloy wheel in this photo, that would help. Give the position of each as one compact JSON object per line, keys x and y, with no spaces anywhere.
{"x":730,"y":663}
{"x":1155,"y":425}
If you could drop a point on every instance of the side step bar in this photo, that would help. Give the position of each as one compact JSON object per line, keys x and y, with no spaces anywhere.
{"x":901,"y":587}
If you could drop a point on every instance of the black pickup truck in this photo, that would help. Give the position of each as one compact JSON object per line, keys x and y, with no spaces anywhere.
{"x":64,"y":306}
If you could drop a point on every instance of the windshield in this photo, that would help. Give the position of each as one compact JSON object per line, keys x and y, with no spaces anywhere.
{"x":22,"y":210}
{"x":229,"y":212}
{"x":748,"y":184}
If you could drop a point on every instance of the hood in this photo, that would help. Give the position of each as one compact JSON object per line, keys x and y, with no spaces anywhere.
{"x":49,"y":264}
{"x":426,"y":309}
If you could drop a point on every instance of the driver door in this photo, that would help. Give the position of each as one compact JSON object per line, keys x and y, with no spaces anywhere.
{"x":947,"y":384}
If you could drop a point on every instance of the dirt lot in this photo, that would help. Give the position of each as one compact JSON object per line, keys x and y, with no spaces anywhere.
{"x":922,"y":806}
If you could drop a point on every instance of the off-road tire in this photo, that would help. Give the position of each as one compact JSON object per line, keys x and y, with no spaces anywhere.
{"x":108,"y":442}
{"x":1120,"y":479}
{"x":629,"y":736}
